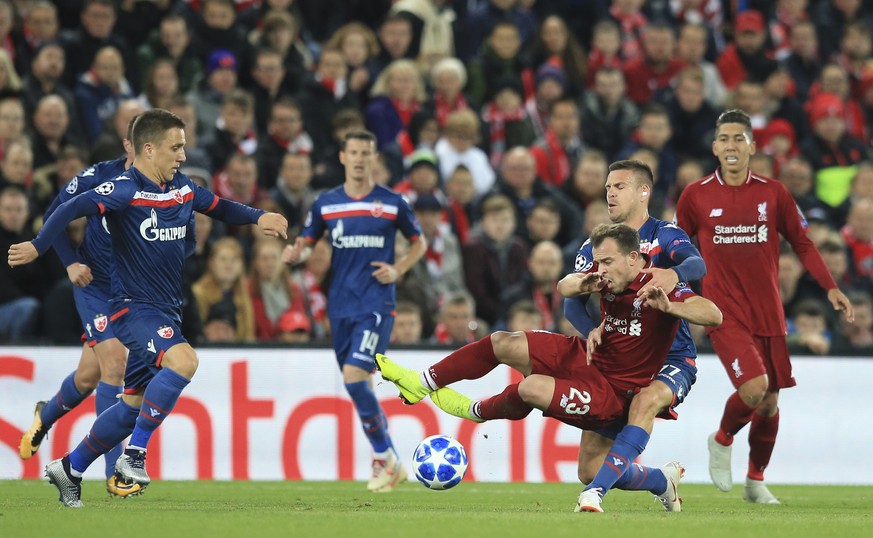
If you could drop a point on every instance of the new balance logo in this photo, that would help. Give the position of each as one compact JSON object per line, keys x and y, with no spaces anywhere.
{"x":154,"y":412}
{"x":716,"y":212}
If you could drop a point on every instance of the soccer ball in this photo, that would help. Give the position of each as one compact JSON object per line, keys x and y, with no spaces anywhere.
{"x":440,"y":462}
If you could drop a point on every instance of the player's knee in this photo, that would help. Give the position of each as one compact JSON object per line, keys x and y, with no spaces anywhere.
{"x":536,"y":390}
{"x":183,"y":361}
{"x":510,"y":348}
{"x":586,"y":473}
{"x":754,"y":391}
{"x":86,"y":380}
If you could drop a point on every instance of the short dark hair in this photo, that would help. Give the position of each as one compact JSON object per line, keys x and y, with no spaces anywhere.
{"x":641,"y":171}
{"x":735,"y":115}
{"x":366,"y":136}
{"x":346,"y":118}
{"x":809,"y":307}
{"x":627,"y":239}
{"x":152,"y":126}
{"x":523,"y":306}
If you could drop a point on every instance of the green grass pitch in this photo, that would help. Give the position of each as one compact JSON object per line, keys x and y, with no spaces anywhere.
{"x":345,"y":509}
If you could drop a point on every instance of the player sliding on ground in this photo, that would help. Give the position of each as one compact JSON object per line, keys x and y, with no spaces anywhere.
{"x":586,"y":384}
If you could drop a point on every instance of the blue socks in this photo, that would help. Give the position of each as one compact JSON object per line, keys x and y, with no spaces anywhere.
{"x":373,"y":419}
{"x":158,"y":401}
{"x":61,"y":403}
{"x":618,"y":469}
{"x":110,"y":428}
{"x":106,"y":397}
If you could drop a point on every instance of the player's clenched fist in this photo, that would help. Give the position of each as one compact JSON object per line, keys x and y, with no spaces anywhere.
{"x":274,"y":224}
{"x":576,"y":284}
{"x":22,"y":254}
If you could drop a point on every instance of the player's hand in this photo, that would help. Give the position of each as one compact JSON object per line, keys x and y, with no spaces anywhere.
{"x":274,"y":224}
{"x":80,"y":274}
{"x":292,"y":253}
{"x":595,"y":338}
{"x":386,"y":273}
{"x":841,"y":303}
{"x":22,"y":254}
{"x":576,"y":284}
{"x":661,"y":278}
{"x":657,"y":298}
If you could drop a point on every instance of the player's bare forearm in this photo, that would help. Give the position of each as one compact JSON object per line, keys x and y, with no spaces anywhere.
{"x":697,"y":310}
{"x":576,"y":284}
{"x":22,"y":254}
{"x":841,"y":303}
{"x":416,"y":250}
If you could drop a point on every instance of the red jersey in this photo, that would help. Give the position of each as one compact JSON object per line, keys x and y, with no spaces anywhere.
{"x":737,"y":229}
{"x":635,"y":338}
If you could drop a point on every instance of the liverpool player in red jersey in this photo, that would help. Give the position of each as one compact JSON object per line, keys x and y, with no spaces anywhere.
{"x":587,"y":384}
{"x":738,"y":217}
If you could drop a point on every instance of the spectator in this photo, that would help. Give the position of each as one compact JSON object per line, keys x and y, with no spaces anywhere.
{"x":499,"y":60}
{"x":608,"y":115}
{"x":543,"y":223}
{"x":51,"y":130}
{"x":324,"y":94}
{"x":560,"y":148}
{"x":523,"y":316}
{"x":861,"y":188}
{"x":44,"y":78}
{"x":746,"y":58}
{"x":216,"y":28}
{"x":40,"y":26}
{"x":21,"y":291}
{"x":195,"y":153}
{"x":688,"y":172}
{"x":293,"y":191}
{"x":95,"y":34}
{"x":654,"y":134}
{"x":358,"y":46}
{"x":109,"y":145}
{"x":483,"y":17}
{"x":494,"y":258}
{"x":274,"y":295}
{"x":172,"y":41}
{"x":294,"y":328}
{"x":790,"y":273}
{"x":858,"y":234}
{"x":605,"y":50}
{"x":100,"y":91}
{"x":458,"y":147}
{"x":457,"y":322}
{"x":286,"y":133}
{"x":460,"y":190}
{"x":407,"y":324}
{"x":857,"y":337}
{"x":448,"y":78}
{"x":550,"y":85}
{"x":538,"y":287}
{"x":441,"y":268}
{"x":649,"y":74}
{"x":831,"y":150}
{"x":691,"y":48}
{"x":221,"y":294}
{"x":856,"y":47}
{"x":432,"y":29}
{"x":632,"y":22}
{"x":589,"y":179}
{"x":281,"y":32}
{"x":691,"y":117}
{"x":423,"y":177}
{"x":219,"y":81}
{"x":808,"y":328}
{"x":555,"y":45}
{"x":328,"y":169}
{"x":396,"y":95}
{"x":506,"y":121}
{"x":239,"y":180}
{"x":834,"y":80}
{"x":161,"y":84}
{"x":234,"y":131}
{"x":395,"y":38}
{"x":796,"y":174}
{"x":10,"y":82}
{"x":832,"y":18}
{"x":314,"y":279}
{"x":804,"y":62}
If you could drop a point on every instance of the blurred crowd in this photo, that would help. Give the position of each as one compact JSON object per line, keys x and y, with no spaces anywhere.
{"x":496,"y":118}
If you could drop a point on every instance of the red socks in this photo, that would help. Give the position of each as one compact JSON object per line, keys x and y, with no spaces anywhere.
{"x":736,"y":415}
{"x":506,"y":405}
{"x":762,"y":439}
{"x":470,"y":362}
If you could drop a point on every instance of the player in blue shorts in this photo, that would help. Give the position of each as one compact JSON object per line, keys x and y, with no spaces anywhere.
{"x":676,"y":259}
{"x":147,"y":210}
{"x":362,"y":219}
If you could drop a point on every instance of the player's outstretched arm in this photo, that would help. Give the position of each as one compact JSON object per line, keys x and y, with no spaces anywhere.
{"x":24,"y":253}
{"x":841,"y":303}
{"x":697,"y":310}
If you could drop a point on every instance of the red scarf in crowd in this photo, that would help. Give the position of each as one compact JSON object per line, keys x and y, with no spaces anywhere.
{"x":557,"y":164}
{"x":317,"y":297}
{"x":497,"y":127}
{"x":444,"y":108}
{"x":631,"y":28}
{"x":405,"y":112}
{"x":302,"y":143}
{"x":546,"y":307}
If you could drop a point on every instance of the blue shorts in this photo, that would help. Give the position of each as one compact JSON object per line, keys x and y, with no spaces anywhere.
{"x":94,"y":309}
{"x":357,"y":340}
{"x":679,"y":374}
{"x":148,"y":332}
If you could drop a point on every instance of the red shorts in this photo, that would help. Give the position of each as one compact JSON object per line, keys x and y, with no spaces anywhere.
{"x":583,"y":397}
{"x":746,"y":356}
